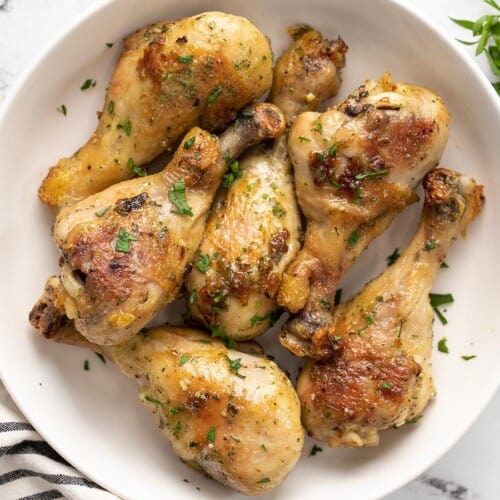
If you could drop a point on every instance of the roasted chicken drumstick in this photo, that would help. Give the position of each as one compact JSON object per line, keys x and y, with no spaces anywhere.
{"x":233,"y":415}
{"x":254,"y":230}
{"x":378,"y":373}
{"x":125,"y":249}
{"x":356,"y":166}
{"x":171,"y":76}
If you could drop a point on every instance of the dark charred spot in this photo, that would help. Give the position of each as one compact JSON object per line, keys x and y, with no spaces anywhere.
{"x":126,"y":205}
{"x":181,"y":40}
{"x":322,"y":166}
{"x":355,"y":108}
{"x":277,"y":245}
{"x":232,"y":409}
{"x":196,"y":402}
{"x":80,"y":275}
{"x":114,"y":265}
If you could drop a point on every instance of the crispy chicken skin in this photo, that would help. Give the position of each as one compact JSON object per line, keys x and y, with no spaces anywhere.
{"x":378,"y":373}
{"x":254,"y":230}
{"x":126,"y":249}
{"x":356,"y":166}
{"x":234,"y":415}
{"x":170,"y":77}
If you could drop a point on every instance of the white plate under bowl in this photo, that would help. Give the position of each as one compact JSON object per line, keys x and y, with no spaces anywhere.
{"x":93,"y":418}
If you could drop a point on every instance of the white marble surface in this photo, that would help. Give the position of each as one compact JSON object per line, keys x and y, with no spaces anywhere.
{"x":470,"y":470}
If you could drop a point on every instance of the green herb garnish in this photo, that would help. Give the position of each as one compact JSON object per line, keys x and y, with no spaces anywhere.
{"x":151,"y":399}
{"x":315,"y":450}
{"x":467,"y":358}
{"x":184,"y":359}
{"x":264,"y":480}
{"x":391,"y":259}
{"x":123,"y":242}
{"x":88,"y":83}
{"x":111,"y":107}
{"x":371,"y":175}
{"x":189,"y":143}
{"x":333,"y":150}
{"x":177,"y":195}
{"x":385,"y":385}
{"x":439,"y":299}
{"x":487,"y":31}
{"x":353,"y":238}
{"x":214,"y":95}
{"x":86,"y":365}
{"x":203,"y":262}
{"x":140,"y":172}
{"x":102,"y":212}
{"x":211,"y":435}
{"x":185,"y":59}
{"x":442,"y":347}
{"x":234,"y":366}
{"x":63,"y":109}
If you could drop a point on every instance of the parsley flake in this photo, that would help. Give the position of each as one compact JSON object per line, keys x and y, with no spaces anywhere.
{"x":185,"y":59}
{"x":63,"y":109}
{"x":184,"y":359}
{"x":123,"y":242}
{"x":88,"y":83}
{"x":102,"y":212}
{"x":467,"y":358}
{"x":177,"y":195}
{"x":442,"y":347}
{"x":234,"y":366}
{"x":140,"y":172}
{"x":214,"y":95}
{"x":211,"y":435}
{"x":315,"y":450}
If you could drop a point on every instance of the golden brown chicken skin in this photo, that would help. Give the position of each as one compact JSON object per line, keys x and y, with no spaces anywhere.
{"x":378,"y":372}
{"x":170,"y":77}
{"x":126,"y":249}
{"x":356,"y":167}
{"x":233,"y":415}
{"x":254,"y":230}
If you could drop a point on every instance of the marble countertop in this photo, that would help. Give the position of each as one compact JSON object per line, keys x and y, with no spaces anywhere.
{"x":470,"y":470}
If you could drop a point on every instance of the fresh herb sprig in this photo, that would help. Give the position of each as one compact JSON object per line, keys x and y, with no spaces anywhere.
{"x":487,"y":31}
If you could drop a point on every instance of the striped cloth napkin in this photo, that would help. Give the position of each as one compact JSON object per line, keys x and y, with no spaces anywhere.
{"x":30,"y":469}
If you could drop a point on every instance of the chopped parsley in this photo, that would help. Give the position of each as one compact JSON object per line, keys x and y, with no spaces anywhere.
{"x":233,"y":174}
{"x":385,"y":385}
{"x":278,"y":209}
{"x":333,"y":150}
{"x":151,"y":399}
{"x":391,"y":259}
{"x":126,"y":125}
{"x":218,"y":332}
{"x":109,"y":44}
{"x":203,"y":262}
{"x":467,"y":358}
{"x":442,"y":347}
{"x":177,"y":195}
{"x":63,"y":109}
{"x":189,"y":143}
{"x":304,"y":139}
{"x":102,"y":212}
{"x":353,"y":238}
{"x":140,"y":172}
{"x":185,"y":59}
{"x":184,"y":359}
{"x":211,"y":435}
{"x":86,"y":365}
{"x":111,"y":107}
{"x":234,"y":366}
{"x":100,"y":356}
{"x":264,"y":480}
{"x":123,"y":242}
{"x":430,"y":245}
{"x":88,"y":83}
{"x":439,"y":299}
{"x":214,"y":95}
{"x":315,"y":450}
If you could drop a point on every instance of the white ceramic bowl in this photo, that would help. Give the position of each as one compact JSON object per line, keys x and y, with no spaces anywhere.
{"x":93,"y":418}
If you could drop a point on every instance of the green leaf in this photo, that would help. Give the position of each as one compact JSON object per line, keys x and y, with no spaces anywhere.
{"x":439,"y":299}
{"x":493,"y":4}
{"x":131,"y":165}
{"x":481,"y":44}
{"x":177,"y":195}
{"x":464,"y":23}
{"x":442,"y":347}
{"x":123,"y":242}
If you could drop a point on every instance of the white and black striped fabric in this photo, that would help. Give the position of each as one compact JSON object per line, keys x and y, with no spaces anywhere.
{"x":30,"y":469}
